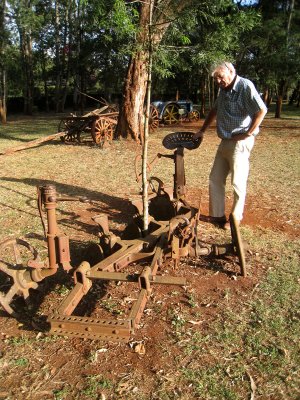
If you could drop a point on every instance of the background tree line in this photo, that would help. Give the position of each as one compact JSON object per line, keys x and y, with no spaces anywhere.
{"x":54,"y":50}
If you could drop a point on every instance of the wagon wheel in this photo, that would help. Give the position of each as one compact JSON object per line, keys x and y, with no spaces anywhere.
{"x":103,"y":130}
{"x":238,"y":243}
{"x":171,"y":114}
{"x":194,"y":115}
{"x":153,"y":118}
{"x":69,"y":126}
{"x":14,"y":255}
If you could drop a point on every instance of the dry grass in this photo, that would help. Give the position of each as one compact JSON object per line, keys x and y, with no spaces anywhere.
{"x":247,"y":330}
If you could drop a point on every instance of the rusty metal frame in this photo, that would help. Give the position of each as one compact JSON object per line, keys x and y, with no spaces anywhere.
{"x":174,"y":239}
{"x":63,"y":323}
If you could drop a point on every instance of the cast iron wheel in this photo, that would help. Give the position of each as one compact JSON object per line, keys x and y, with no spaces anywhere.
{"x":103,"y":130}
{"x":238,"y":243}
{"x":14,"y":255}
{"x":68,"y":125}
{"x":171,"y":114}
{"x":194,"y":115}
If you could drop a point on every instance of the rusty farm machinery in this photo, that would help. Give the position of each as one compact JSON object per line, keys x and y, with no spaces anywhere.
{"x":173,"y":234}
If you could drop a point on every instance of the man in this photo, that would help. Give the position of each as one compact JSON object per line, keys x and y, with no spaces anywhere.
{"x":238,"y":111}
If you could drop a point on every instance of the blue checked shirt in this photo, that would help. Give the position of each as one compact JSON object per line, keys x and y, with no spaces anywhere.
{"x":236,"y":108}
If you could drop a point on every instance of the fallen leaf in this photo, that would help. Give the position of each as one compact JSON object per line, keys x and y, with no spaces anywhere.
{"x":195,"y":322}
{"x":140,"y":349}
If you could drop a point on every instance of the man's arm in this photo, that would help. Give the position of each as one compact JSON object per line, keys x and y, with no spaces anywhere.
{"x":208,"y":120}
{"x":256,"y":121}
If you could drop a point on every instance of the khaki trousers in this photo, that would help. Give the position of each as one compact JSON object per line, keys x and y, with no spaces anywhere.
{"x":231,"y":157}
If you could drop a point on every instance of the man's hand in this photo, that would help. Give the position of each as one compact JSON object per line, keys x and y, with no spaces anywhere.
{"x":241,"y":136}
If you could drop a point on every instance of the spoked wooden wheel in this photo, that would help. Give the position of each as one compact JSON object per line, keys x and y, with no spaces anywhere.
{"x":238,"y":243}
{"x":68,"y":125}
{"x":14,"y":255}
{"x":103,"y":130}
{"x":153,"y":118}
{"x":171,"y":114}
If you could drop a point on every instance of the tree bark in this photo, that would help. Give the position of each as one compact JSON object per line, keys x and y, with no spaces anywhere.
{"x":131,"y":117}
{"x":26,"y":50}
{"x":2,"y":66}
{"x":279,"y":100}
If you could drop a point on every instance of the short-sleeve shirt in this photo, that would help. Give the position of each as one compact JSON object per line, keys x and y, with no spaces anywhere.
{"x":235,"y":108}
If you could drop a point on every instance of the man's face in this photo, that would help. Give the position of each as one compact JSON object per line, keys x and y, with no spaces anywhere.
{"x":223,"y":77}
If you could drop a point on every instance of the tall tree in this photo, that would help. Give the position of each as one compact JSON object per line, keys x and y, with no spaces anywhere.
{"x":27,"y":23}
{"x":131,"y":117}
{"x":2,"y":63}
{"x":274,"y":49}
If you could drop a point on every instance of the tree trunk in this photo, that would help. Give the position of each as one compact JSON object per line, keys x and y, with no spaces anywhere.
{"x":131,"y":116}
{"x":279,"y":100}
{"x":26,"y":54}
{"x":131,"y":120}
{"x":278,"y":106}
{"x":2,"y":66}
{"x":202,"y":97}
{"x":3,"y":110}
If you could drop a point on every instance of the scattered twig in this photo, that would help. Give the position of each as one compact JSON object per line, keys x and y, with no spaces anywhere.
{"x":252,"y":385}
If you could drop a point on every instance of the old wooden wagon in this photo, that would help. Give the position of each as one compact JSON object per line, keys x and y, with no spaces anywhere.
{"x":99,"y":124}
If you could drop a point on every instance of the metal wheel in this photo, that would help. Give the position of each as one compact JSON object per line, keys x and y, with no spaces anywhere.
{"x":153,"y":118}
{"x":194,"y":115}
{"x":171,"y":114}
{"x":238,"y":243}
{"x":103,"y":130}
{"x":14,"y":255}
{"x":68,"y":125}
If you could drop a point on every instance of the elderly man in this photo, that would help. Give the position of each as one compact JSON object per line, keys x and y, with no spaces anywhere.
{"x":238,"y":111}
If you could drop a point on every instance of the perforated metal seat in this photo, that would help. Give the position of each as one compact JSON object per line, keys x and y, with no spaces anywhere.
{"x":181,"y":139}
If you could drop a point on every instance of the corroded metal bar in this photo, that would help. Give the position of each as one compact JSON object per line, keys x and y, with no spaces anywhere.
{"x":123,"y":256}
{"x":69,"y":304}
{"x":138,"y":308}
{"x":49,"y":200}
{"x":91,"y":328}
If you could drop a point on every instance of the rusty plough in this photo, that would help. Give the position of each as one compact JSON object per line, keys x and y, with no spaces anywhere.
{"x":172,"y":235}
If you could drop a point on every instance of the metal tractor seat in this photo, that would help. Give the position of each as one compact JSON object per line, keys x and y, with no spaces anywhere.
{"x":185,"y":140}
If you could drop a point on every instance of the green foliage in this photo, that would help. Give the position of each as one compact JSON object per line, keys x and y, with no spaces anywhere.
{"x":94,"y":41}
{"x":94,"y":383}
{"x":21,"y":362}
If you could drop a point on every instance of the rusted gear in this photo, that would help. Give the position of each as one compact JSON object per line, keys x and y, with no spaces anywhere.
{"x":14,"y":255}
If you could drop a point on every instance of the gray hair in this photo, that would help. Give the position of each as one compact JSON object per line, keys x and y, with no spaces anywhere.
{"x":223,"y":66}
